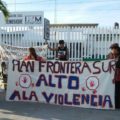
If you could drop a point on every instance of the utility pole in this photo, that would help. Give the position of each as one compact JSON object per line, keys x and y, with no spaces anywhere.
{"x":15,"y":5}
{"x":55,"y":12}
{"x":55,"y":21}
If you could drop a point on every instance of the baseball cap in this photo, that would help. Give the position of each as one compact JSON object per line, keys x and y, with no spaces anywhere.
{"x":61,"y":41}
{"x":114,"y":45}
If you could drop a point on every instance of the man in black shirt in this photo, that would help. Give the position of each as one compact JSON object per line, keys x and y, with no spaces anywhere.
{"x":62,"y":51}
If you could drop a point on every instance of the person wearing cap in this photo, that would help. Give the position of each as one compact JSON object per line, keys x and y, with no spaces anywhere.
{"x":115,"y":54}
{"x":62,"y":51}
{"x":114,"y":51}
{"x":116,"y":81}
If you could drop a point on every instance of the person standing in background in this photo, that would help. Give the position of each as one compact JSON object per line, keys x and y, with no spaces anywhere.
{"x":4,"y":73}
{"x":62,"y":51}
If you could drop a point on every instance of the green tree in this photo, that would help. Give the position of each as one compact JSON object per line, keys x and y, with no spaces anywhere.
{"x":4,"y":10}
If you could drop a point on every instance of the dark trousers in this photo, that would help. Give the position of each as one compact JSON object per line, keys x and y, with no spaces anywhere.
{"x":117,"y":95}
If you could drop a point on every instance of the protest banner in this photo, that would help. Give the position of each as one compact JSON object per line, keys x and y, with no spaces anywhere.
{"x":13,"y":52}
{"x":78,"y":84}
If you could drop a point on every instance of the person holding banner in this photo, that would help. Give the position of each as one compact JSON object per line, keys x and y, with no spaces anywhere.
{"x":62,"y":51}
{"x":115,"y":54}
{"x":116,"y":80}
{"x":33,"y":56}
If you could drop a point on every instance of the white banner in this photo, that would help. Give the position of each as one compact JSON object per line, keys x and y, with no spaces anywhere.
{"x":79,"y":84}
{"x":8,"y":51}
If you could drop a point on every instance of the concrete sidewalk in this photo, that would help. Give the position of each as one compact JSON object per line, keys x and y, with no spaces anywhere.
{"x":39,"y":111}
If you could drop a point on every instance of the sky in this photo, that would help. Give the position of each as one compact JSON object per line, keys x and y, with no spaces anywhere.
{"x":103,"y":12}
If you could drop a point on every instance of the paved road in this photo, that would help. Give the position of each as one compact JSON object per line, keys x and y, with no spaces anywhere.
{"x":37,"y":111}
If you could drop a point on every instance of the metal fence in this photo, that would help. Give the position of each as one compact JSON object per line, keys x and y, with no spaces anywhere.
{"x":83,"y":43}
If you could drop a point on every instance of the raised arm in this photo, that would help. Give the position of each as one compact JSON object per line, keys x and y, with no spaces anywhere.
{"x":53,"y":49}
